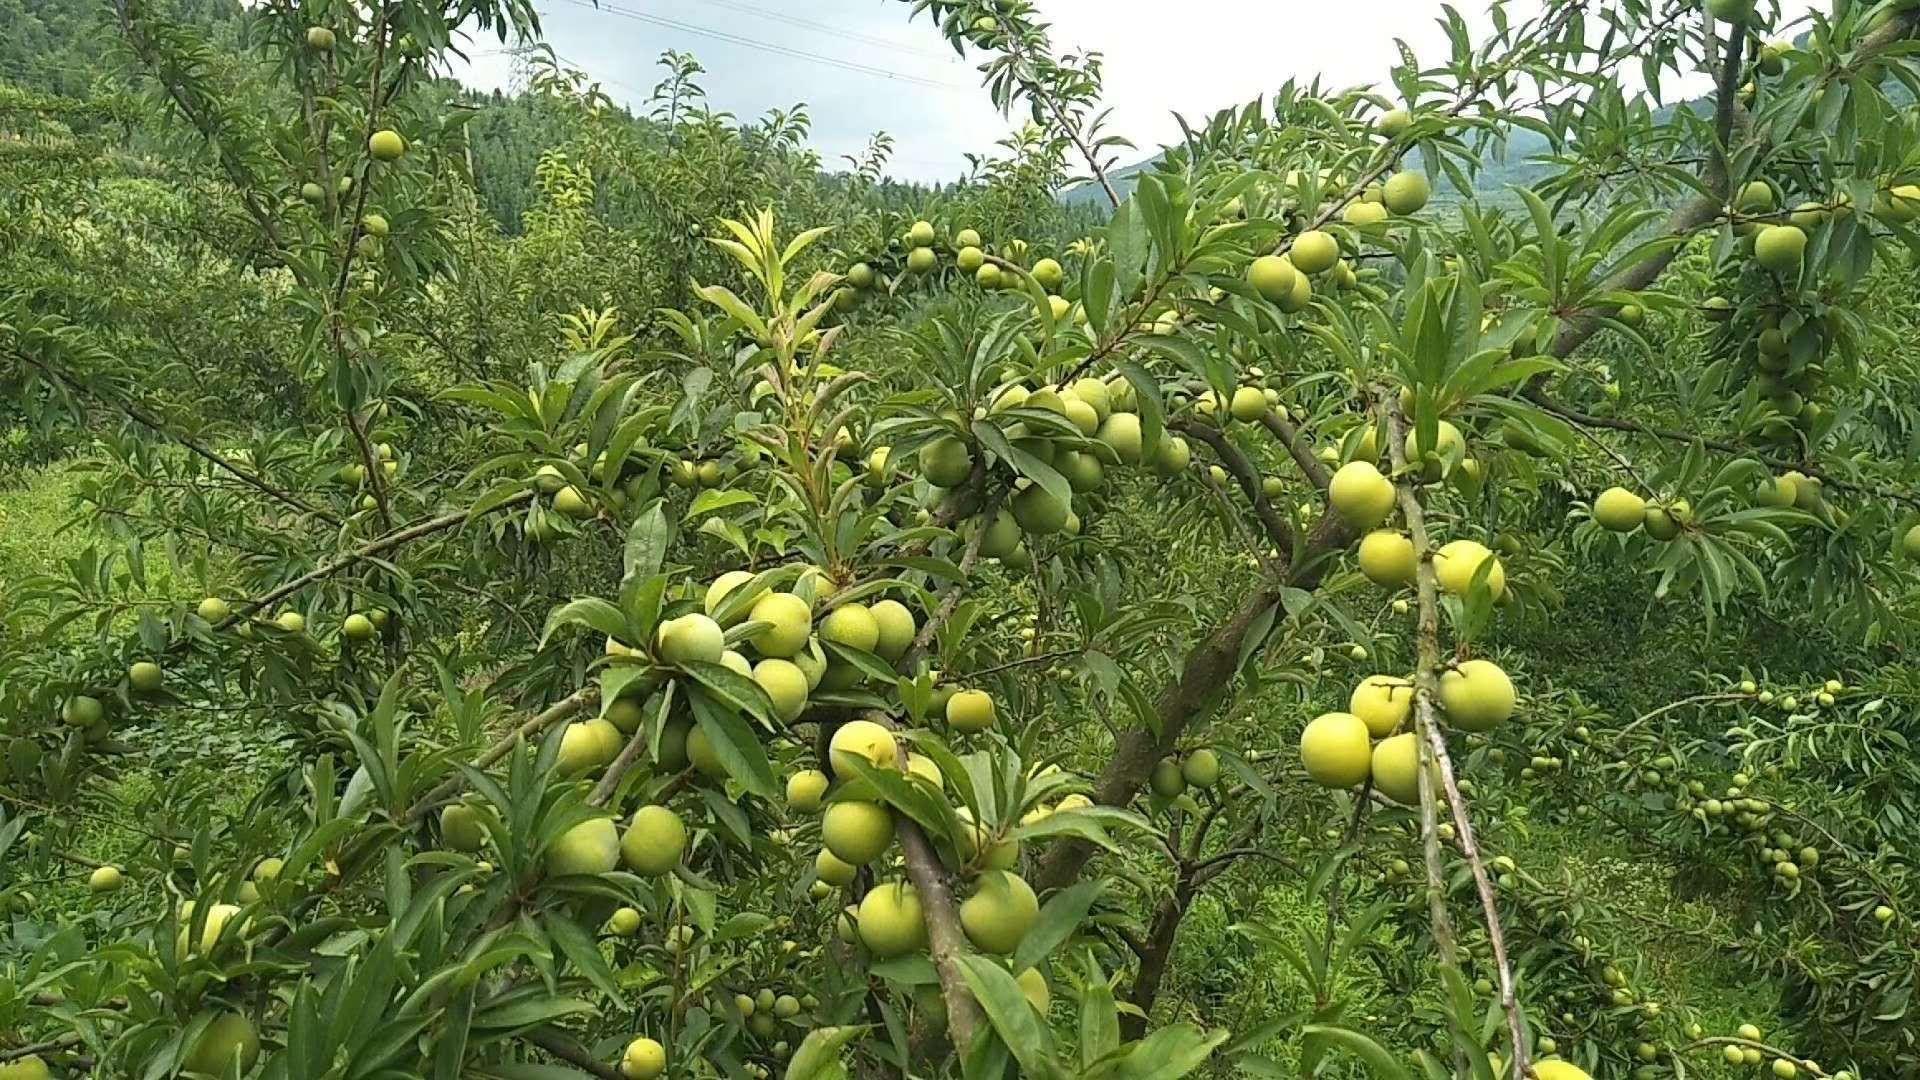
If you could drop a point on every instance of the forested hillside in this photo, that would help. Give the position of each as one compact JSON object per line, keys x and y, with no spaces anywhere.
{"x":1415,"y":582}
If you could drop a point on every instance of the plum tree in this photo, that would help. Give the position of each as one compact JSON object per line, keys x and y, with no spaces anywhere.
{"x":657,"y":614}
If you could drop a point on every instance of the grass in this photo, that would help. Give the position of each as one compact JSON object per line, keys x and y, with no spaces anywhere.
{"x":34,"y":525}
{"x":1669,"y":948}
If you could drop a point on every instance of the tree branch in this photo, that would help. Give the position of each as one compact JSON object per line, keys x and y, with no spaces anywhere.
{"x":49,"y":1046}
{"x":1204,"y":675}
{"x":1577,"y":327}
{"x":1236,"y":463}
{"x":243,"y":186}
{"x":1255,"y":549}
{"x":152,"y":423}
{"x":1588,"y":420}
{"x":1157,"y":953}
{"x":560,"y":710}
{"x":1290,"y":437}
{"x":946,"y":939}
{"x":567,"y":1049}
{"x":374,"y":547}
{"x":1433,"y":758}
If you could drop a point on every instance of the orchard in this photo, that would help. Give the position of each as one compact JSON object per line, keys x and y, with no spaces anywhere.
{"x":678,"y":610}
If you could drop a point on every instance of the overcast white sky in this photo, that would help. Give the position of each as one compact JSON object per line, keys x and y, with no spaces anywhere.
{"x":1191,"y":57}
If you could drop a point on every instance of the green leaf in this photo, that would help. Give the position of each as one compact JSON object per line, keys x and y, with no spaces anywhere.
{"x":869,"y":665}
{"x":1099,"y":1019}
{"x":1153,"y":411}
{"x":1083,"y":823}
{"x":1170,"y":1053}
{"x":819,"y":1053}
{"x":584,"y":951}
{"x":616,"y":678}
{"x":530,"y":1070}
{"x":719,"y":499}
{"x":1011,"y":1014}
{"x":733,"y":742}
{"x":724,"y":299}
{"x":1063,"y":913}
{"x":590,"y":612}
{"x":733,"y":688}
{"x":647,"y":541}
{"x":524,"y":1011}
{"x":908,"y":795}
{"x":1376,"y":1057}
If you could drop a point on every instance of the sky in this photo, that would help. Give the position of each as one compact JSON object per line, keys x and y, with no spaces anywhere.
{"x":862,"y":66}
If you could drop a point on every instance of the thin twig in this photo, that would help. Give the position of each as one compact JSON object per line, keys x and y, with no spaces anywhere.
{"x":1612,"y":423}
{"x":365,"y":551}
{"x":50,"y":1046}
{"x":1432,"y":747}
{"x":149,"y":421}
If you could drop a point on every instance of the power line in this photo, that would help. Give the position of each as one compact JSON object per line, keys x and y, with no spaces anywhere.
{"x":824,"y":28}
{"x":783,"y":50}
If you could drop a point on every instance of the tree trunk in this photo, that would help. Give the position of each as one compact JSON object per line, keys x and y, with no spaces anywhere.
{"x":1202,"y":682}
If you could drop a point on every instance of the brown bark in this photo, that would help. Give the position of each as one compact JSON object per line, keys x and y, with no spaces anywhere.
{"x":1278,"y":532}
{"x":1156,"y":953}
{"x":1204,"y":676}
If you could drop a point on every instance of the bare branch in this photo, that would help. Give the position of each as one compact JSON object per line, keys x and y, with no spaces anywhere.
{"x":1433,"y":758}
